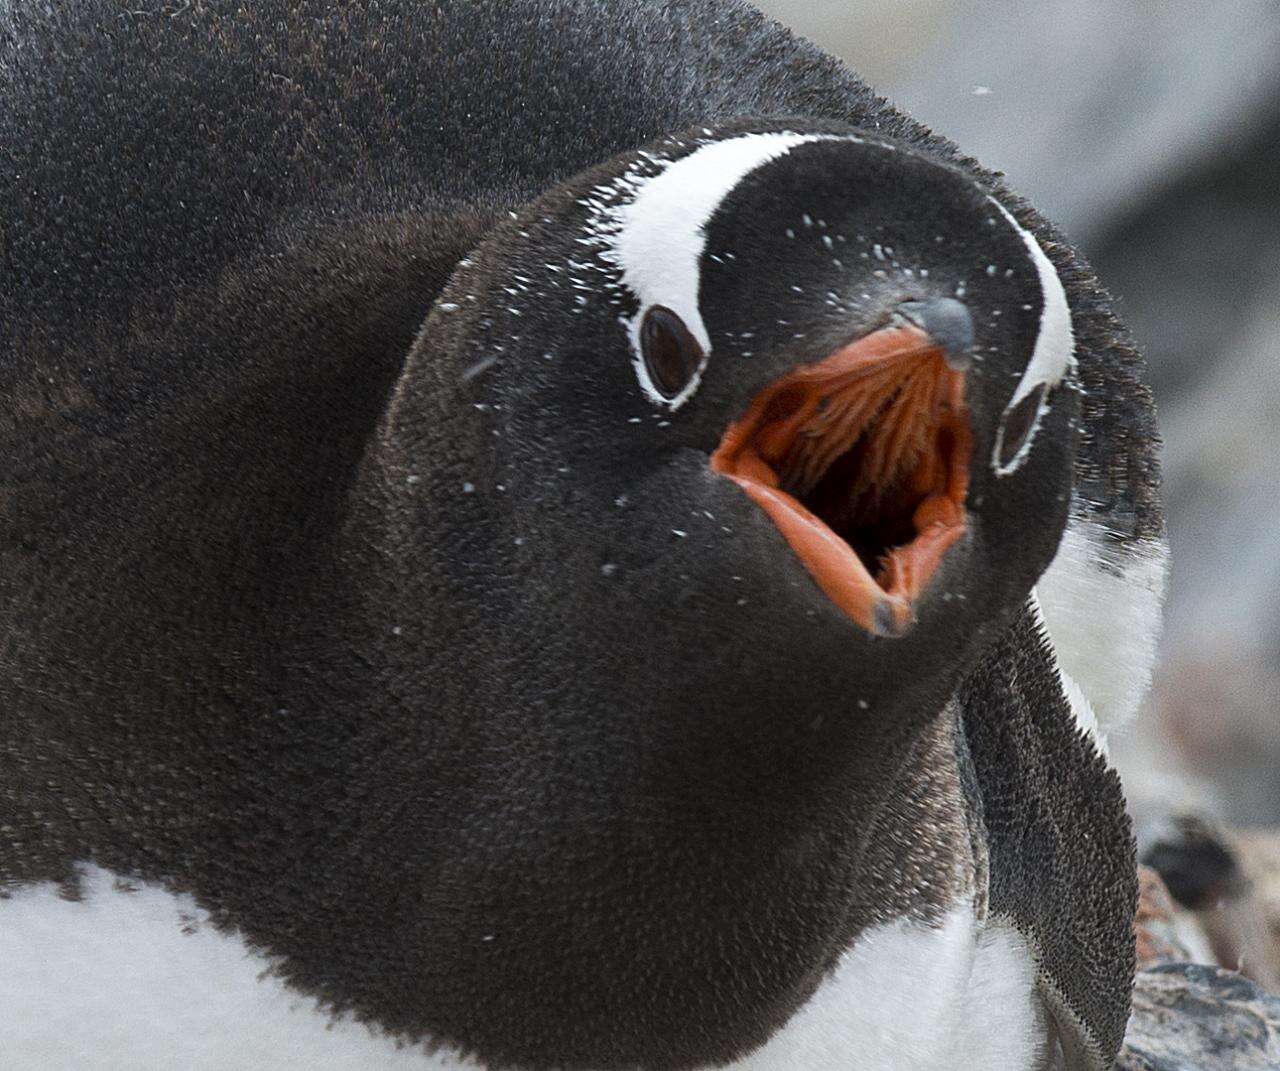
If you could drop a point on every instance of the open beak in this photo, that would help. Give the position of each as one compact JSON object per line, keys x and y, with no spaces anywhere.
{"x":862,"y":462}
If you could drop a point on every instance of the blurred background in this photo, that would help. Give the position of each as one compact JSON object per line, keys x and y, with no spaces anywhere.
{"x":1149,"y":130}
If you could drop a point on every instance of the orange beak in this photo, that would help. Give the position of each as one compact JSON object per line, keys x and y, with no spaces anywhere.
{"x":862,"y":462}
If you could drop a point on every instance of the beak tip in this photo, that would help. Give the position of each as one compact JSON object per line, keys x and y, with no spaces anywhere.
{"x":892,"y":619}
{"x":950,"y":325}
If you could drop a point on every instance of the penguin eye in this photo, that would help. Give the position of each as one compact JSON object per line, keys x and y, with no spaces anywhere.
{"x":1018,"y":428}
{"x":672,"y":355}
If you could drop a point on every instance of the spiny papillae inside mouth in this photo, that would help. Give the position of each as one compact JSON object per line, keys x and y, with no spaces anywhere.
{"x":871,"y":456}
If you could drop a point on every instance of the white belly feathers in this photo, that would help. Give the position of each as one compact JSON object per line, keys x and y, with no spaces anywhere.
{"x":138,"y":978}
{"x":908,"y":997}
{"x":142,"y":981}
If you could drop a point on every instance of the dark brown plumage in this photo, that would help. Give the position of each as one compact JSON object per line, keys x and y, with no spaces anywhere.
{"x":293,"y":618}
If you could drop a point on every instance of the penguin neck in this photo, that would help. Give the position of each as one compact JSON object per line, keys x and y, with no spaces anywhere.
{"x":483,"y":799}
{"x":805,"y":762}
{"x":592,"y":864}
{"x":870,"y":804}
{"x":883,"y":802}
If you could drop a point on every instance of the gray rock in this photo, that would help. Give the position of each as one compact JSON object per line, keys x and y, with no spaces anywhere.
{"x":1189,"y":1017}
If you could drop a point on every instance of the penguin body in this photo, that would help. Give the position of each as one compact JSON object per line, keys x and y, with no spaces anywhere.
{"x":408,"y":562}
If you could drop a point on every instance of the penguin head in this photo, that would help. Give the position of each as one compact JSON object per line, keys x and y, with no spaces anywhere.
{"x":796,"y":371}
{"x":712,"y":472}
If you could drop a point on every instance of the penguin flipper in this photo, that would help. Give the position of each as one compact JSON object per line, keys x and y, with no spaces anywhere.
{"x":1061,"y":854}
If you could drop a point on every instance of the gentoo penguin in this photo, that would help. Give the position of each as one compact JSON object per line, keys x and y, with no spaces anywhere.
{"x":524,"y":546}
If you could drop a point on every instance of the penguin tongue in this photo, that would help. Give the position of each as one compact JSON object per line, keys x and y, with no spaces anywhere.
{"x":862,"y":461}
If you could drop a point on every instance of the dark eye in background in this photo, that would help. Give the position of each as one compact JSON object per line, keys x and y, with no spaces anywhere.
{"x":1018,"y":425}
{"x":671,"y":354}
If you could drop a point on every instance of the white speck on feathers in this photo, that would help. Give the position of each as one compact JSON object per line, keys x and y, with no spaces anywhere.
{"x":481,"y":366}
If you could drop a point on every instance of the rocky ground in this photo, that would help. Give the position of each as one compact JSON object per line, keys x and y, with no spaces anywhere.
{"x":1191,"y":1016}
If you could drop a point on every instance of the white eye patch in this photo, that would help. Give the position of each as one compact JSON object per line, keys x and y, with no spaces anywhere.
{"x":1051,"y":359}
{"x":657,"y":237}
{"x":652,"y":229}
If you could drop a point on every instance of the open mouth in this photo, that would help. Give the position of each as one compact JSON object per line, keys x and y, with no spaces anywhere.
{"x":862,"y":461}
